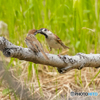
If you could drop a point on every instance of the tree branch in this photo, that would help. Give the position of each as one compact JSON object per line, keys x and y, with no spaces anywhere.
{"x":63,"y":63}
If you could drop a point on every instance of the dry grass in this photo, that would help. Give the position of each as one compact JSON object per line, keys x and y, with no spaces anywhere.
{"x":54,"y":85}
{"x":6,"y":97}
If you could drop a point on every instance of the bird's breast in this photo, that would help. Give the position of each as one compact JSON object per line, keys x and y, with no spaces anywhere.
{"x":53,"y":43}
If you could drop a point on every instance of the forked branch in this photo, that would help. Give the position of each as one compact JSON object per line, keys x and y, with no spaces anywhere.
{"x":63,"y":63}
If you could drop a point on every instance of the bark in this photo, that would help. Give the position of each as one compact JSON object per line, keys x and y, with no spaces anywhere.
{"x":63,"y":63}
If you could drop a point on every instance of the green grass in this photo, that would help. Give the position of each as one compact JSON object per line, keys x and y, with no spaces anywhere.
{"x":72,"y":20}
{"x":66,"y":18}
{"x":35,"y":67}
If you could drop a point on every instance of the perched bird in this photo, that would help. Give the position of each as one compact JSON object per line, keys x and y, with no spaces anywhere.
{"x":52,"y":40}
{"x":33,"y":43}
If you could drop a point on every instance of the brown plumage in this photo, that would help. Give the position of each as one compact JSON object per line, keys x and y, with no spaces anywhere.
{"x":53,"y":40}
{"x":32,"y":31}
{"x":33,"y":43}
{"x":60,"y":42}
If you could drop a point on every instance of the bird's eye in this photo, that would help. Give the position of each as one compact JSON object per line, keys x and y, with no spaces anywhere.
{"x":45,"y":29}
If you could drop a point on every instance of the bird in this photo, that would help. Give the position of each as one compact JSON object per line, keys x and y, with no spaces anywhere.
{"x":33,"y":43}
{"x":52,"y":40}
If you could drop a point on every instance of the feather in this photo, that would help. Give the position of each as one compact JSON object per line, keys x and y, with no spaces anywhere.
{"x":35,"y":45}
{"x":60,"y":42}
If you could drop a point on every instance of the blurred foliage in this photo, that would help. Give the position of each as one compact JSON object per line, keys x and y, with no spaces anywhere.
{"x":76,"y":22}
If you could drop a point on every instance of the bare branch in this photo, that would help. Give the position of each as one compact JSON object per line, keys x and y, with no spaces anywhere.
{"x":11,"y":50}
{"x":63,"y":63}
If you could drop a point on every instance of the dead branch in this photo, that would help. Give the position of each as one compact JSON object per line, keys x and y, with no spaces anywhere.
{"x":63,"y":63}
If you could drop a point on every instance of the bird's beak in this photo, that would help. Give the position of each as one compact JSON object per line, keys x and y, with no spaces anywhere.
{"x":39,"y":31}
{"x":35,"y":33}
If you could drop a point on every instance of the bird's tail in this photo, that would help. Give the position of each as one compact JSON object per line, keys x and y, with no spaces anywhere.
{"x":64,"y":46}
{"x":45,"y":55}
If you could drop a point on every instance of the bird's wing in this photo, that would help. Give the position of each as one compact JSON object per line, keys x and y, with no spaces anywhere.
{"x":35,"y":45}
{"x":32,"y":41}
{"x":60,"y":42}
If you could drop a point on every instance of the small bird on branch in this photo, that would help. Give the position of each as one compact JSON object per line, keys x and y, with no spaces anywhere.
{"x":33,"y":43}
{"x":52,"y":40}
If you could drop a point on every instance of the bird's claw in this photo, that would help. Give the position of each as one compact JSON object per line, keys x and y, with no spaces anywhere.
{"x":61,"y":71}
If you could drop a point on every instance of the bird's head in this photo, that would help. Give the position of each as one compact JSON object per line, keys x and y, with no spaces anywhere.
{"x":32,"y":31}
{"x":45,"y":32}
